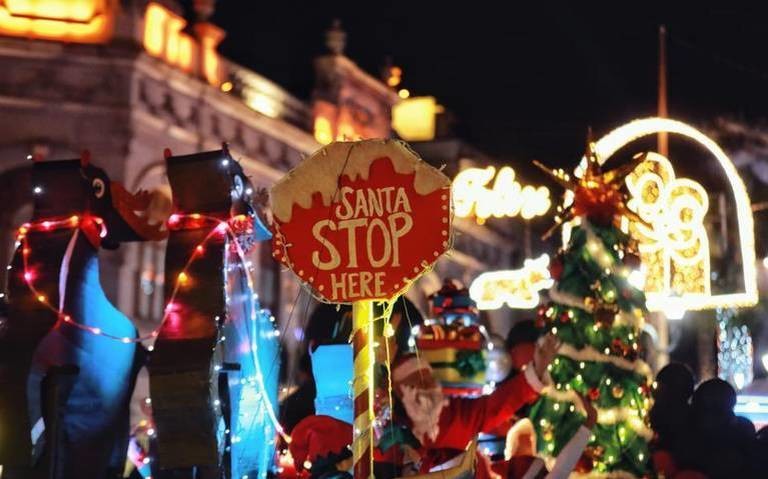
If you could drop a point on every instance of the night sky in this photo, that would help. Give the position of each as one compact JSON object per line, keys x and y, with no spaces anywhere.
{"x":524,"y":81}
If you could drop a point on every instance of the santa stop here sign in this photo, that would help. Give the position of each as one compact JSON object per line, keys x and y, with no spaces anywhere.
{"x":361,"y":220}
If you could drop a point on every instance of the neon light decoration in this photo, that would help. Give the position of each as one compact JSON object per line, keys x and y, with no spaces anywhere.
{"x":506,"y":198}
{"x":517,"y":288}
{"x":674,"y":247}
{"x":675,"y":250}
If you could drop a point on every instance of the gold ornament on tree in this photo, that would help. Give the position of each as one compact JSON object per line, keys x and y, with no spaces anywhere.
{"x":617,"y":391}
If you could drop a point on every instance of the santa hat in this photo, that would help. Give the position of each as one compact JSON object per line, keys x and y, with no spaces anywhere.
{"x":320,"y":442}
{"x":522,"y":430}
{"x":412,"y":370}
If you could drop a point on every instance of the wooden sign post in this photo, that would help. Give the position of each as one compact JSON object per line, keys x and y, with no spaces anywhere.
{"x":358,"y":222}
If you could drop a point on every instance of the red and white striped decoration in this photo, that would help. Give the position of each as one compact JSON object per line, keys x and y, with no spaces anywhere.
{"x":362,"y":345}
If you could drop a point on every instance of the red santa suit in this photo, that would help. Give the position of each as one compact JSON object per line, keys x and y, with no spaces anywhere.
{"x":460,"y":419}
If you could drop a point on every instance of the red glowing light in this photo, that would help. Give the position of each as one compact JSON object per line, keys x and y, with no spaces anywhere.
{"x":28,"y":276}
{"x":173,"y":219}
{"x":222,"y":228}
{"x":46,"y":225}
{"x":199,"y":249}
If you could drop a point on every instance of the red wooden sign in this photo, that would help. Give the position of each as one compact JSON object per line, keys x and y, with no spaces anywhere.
{"x":361,"y":220}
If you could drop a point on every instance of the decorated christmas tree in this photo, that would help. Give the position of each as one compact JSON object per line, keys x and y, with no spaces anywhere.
{"x":598,"y":315}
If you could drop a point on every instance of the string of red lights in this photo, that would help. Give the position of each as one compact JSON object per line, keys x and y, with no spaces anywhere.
{"x":177,"y":221}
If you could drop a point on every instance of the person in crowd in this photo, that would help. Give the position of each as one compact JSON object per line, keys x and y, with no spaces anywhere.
{"x":697,"y":434}
{"x":441,"y":428}
{"x":300,"y":403}
{"x":521,"y":343}
{"x":717,"y":440}
{"x":670,"y":417}
{"x":321,"y":445}
{"x":332,"y":324}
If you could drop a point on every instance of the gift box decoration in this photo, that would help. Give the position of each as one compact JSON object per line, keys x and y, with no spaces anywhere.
{"x":457,"y":367}
{"x":452,"y":303}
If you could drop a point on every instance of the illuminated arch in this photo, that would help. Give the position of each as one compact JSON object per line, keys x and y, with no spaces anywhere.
{"x":622,"y":136}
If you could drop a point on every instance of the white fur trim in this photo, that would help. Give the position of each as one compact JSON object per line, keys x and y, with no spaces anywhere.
{"x":567,"y":299}
{"x":523,"y":425}
{"x":532,"y":378}
{"x":591,"y":354}
{"x":605,"y":416}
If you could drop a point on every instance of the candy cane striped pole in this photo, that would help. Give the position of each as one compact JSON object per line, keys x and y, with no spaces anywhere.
{"x":362,"y":346}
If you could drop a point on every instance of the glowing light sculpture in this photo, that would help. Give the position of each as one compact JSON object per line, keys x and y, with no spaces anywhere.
{"x":506,"y":198}
{"x":665,"y":249}
{"x":518,"y":288}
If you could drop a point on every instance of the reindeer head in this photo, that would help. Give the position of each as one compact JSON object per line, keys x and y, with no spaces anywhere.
{"x":109,"y":214}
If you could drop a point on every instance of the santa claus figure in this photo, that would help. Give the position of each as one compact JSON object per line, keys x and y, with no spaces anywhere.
{"x":443,"y":427}
{"x":321,"y":447}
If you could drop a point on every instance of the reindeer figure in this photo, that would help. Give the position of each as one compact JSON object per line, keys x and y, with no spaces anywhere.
{"x":213,"y":372}
{"x":68,"y":357}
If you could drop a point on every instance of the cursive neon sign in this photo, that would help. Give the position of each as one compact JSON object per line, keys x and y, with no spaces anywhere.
{"x":472,"y":195}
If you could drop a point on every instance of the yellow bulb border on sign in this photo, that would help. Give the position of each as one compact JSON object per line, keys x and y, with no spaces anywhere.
{"x":622,"y":136}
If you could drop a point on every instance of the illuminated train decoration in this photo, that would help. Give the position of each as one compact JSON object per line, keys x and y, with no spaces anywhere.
{"x":674,"y":247}
{"x":518,"y":289}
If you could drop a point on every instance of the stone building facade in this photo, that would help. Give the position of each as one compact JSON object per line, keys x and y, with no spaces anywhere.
{"x":125,"y":80}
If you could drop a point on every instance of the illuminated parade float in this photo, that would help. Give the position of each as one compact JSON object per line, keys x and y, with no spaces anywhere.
{"x":208,"y":277}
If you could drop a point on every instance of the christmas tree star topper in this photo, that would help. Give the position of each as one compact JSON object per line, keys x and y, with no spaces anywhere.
{"x":596,"y":194}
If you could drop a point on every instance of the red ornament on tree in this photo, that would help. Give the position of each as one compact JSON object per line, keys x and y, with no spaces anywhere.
{"x":605,"y":316}
{"x":565,"y":317}
{"x":623,"y":349}
{"x":646,"y":388}
{"x":556,"y":268}
{"x":594,"y":394}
